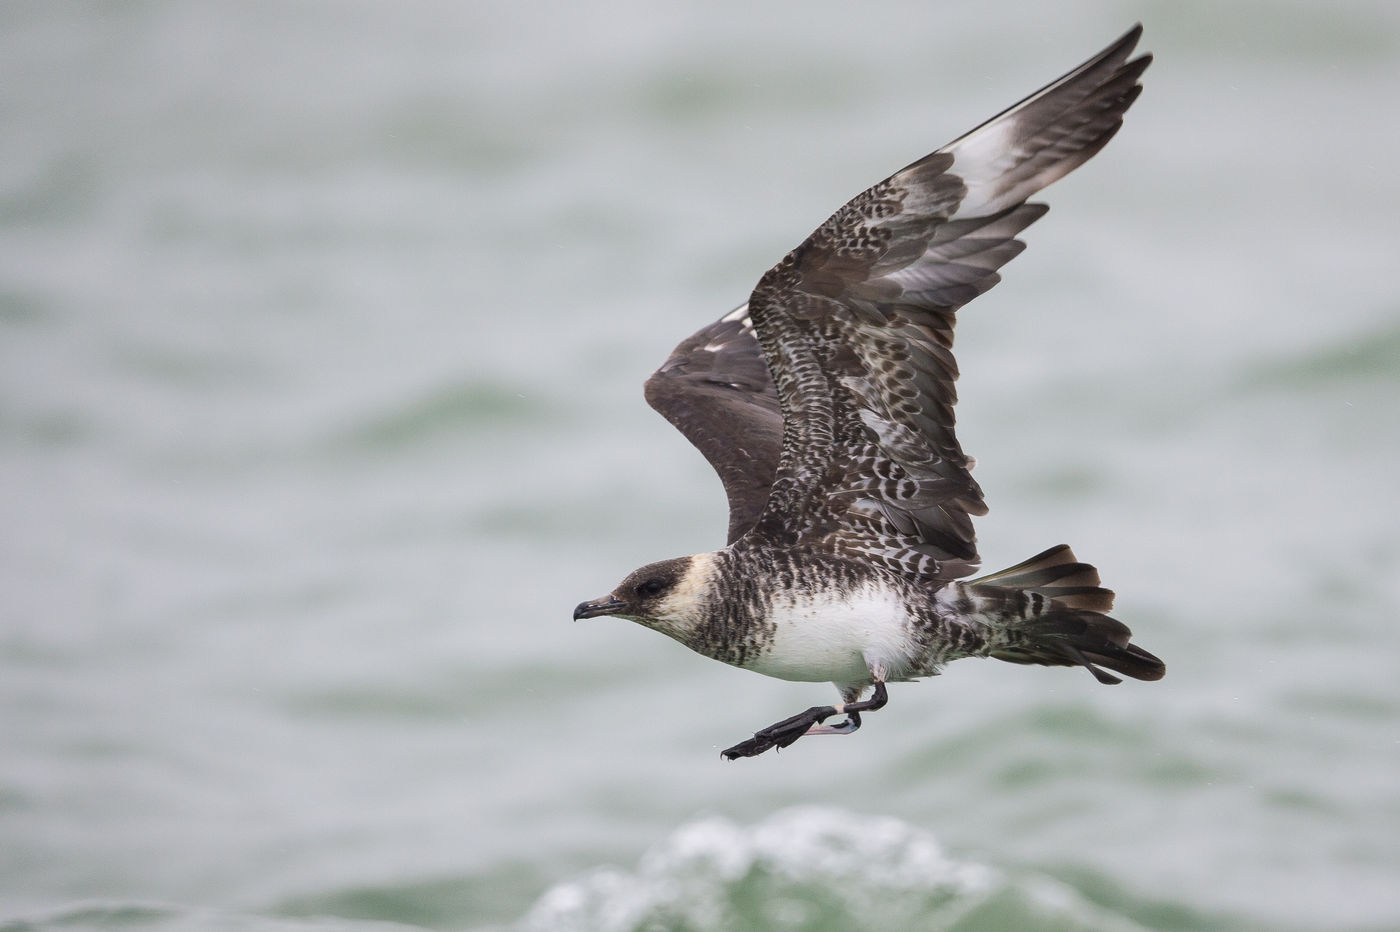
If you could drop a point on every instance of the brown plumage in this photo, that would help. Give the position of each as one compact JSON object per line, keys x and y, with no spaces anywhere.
{"x":825,"y":404}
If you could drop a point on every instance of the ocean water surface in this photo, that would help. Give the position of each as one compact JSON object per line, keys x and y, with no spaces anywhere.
{"x":322,"y":334}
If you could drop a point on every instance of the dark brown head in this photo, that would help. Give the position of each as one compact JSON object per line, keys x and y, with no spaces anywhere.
{"x":667,"y":596}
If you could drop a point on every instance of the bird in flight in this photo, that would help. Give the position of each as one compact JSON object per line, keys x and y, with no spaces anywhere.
{"x":826,"y":406}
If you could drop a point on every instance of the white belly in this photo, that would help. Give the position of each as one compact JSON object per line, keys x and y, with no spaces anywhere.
{"x":822,"y":637}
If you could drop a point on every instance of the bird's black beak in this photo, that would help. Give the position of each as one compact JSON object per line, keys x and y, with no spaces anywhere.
{"x":607,"y":605}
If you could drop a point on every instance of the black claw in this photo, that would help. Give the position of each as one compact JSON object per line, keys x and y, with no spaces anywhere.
{"x":749,"y":748}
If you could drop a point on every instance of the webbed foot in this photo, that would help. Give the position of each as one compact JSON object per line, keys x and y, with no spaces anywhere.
{"x":787,"y":731}
{"x":780,"y":735}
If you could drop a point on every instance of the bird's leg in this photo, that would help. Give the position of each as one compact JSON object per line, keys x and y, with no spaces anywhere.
{"x":784,"y":733}
{"x":851,"y":723}
{"x":852,"y":710}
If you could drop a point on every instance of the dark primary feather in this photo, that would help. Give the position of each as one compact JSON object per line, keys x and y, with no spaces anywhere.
{"x":857,"y":325}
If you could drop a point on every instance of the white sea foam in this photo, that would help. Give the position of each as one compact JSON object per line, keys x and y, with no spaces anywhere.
{"x":809,"y":867}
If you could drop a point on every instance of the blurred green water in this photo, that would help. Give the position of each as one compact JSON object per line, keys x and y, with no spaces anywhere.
{"x":323,"y":335}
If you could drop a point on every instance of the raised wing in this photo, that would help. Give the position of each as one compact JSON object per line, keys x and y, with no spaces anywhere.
{"x":857,"y":327}
{"x":715,"y":389}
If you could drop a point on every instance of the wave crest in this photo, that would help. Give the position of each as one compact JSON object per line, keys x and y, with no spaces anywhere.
{"x":809,"y":868}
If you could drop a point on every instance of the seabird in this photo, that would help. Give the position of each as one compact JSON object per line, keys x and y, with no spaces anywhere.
{"x":826,"y":406}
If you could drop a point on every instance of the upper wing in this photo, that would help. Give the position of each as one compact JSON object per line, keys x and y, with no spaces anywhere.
{"x":857,"y":327}
{"x":715,"y":388}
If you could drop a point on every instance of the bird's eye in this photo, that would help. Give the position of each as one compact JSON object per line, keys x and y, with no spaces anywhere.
{"x":650,"y":587}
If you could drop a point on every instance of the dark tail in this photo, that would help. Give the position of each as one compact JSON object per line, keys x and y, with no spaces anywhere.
{"x":1055,"y":613}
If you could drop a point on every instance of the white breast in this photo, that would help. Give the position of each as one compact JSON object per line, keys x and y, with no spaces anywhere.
{"x":835,"y":637}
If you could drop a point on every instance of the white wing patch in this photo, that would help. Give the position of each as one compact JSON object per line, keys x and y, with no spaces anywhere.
{"x":980,"y":159}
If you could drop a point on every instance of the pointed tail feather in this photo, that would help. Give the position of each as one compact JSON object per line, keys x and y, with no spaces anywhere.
{"x":1053,"y":612}
{"x":1087,"y":639}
